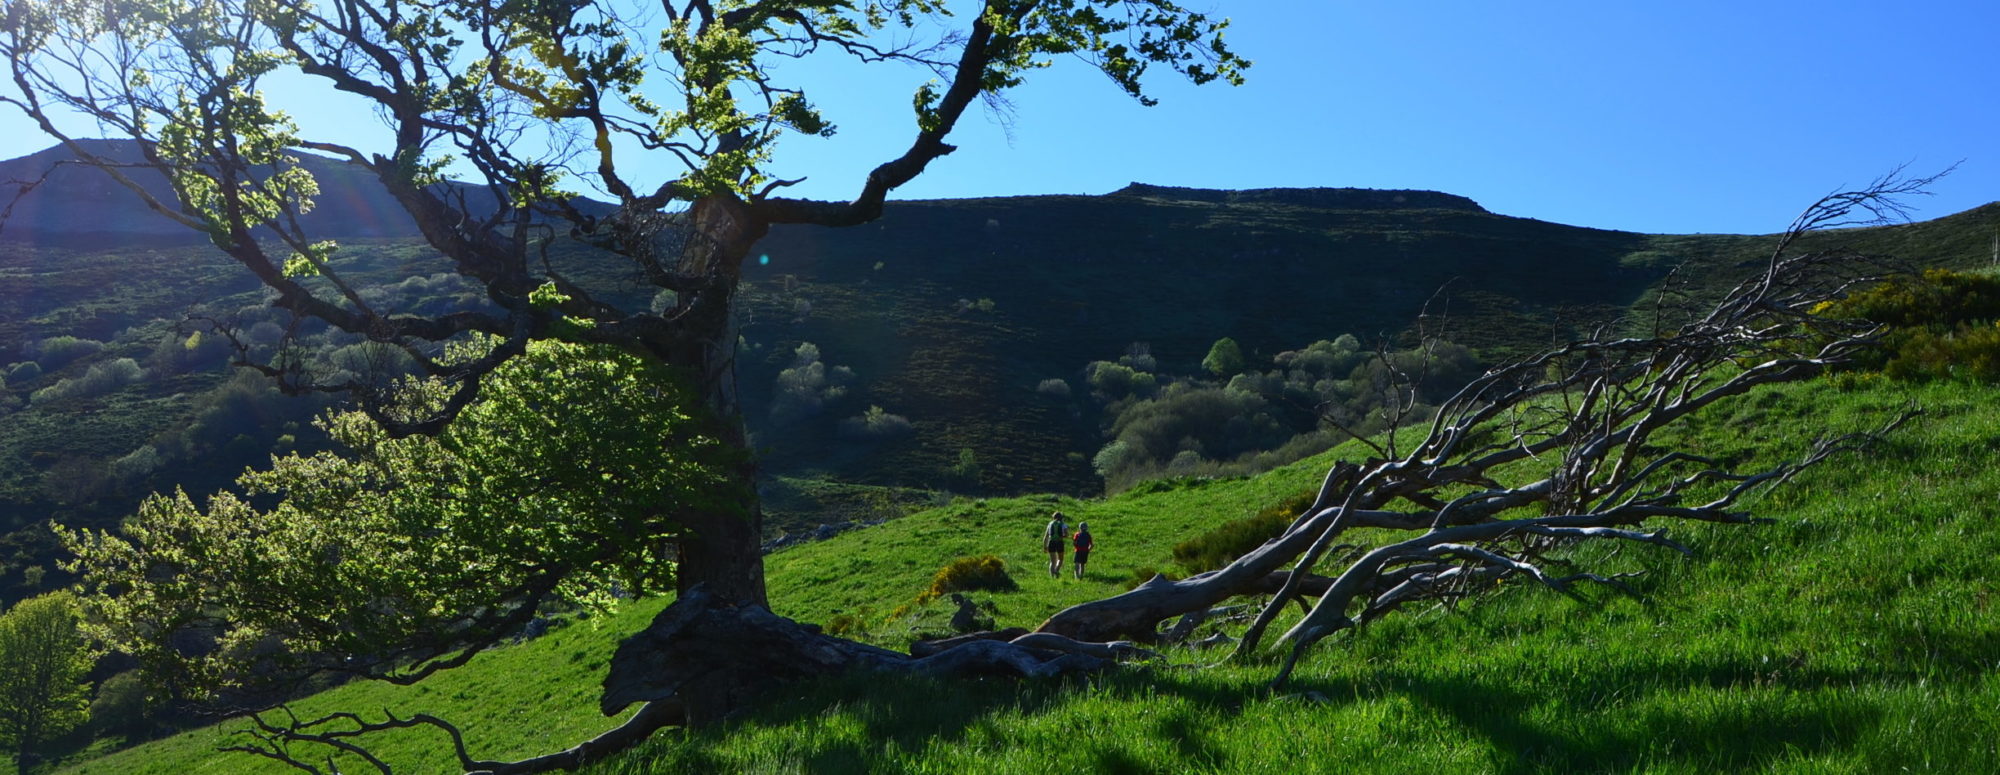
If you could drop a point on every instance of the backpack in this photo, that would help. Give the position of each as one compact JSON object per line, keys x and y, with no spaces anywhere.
{"x":1056,"y":531}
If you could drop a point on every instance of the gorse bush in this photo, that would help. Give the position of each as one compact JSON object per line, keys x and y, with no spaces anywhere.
{"x":967,"y":574}
{"x":1230,"y":540}
{"x":1938,"y":297}
{"x":1970,"y":352}
{"x":1941,"y":325}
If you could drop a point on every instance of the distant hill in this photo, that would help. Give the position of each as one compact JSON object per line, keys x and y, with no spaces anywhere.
{"x":953,"y":314}
{"x":77,"y":206}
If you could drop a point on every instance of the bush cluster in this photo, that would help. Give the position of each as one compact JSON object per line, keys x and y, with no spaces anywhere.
{"x":1229,"y":422}
{"x":56,"y":352}
{"x":102,"y":378}
{"x":1942,"y":325}
{"x":805,"y":388}
{"x":24,"y":372}
{"x":1230,"y":540}
{"x":966,"y":574}
{"x":876,"y":423}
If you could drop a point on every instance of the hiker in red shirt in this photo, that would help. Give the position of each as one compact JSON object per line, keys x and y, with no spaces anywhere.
{"x":1083,"y":543}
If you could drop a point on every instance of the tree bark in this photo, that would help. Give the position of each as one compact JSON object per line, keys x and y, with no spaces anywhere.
{"x":721,"y":549}
{"x":704,"y":646}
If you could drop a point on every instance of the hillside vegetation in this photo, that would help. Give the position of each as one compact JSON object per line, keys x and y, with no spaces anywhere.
{"x":951,"y":346}
{"x":1850,"y":634}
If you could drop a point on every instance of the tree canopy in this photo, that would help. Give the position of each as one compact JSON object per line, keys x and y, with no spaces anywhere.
{"x":44,"y":662}
{"x":528,"y":104}
{"x":397,"y":557}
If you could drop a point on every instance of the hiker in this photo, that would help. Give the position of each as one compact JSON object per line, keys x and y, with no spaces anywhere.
{"x":1053,"y":538}
{"x":1083,"y":544}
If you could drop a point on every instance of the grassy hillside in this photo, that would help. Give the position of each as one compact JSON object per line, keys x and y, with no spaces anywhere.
{"x":951,"y":314}
{"x":1852,"y":634}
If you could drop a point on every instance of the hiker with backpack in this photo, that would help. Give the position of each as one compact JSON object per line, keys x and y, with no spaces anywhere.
{"x":1083,"y":544}
{"x":1054,"y":536}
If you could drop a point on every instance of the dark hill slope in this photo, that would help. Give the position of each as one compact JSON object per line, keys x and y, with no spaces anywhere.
{"x":1066,"y":280}
{"x":1075,"y":279}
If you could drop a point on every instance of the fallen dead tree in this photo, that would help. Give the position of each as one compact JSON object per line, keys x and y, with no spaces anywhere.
{"x":1555,"y":449}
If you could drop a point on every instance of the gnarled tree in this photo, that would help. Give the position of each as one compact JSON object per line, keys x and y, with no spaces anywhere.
{"x":537,"y":102}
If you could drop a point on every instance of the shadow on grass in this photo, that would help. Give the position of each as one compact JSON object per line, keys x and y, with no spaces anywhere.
{"x":1624,"y":719}
{"x":1610,"y":717}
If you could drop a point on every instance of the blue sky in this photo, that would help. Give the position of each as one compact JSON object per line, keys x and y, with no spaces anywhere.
{"x":1687,"y":116}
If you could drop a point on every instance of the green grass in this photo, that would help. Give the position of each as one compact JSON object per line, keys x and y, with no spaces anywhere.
{"x":1854,"y":633}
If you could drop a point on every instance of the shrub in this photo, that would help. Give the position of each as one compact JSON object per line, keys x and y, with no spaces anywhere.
{"x":1941,"y":325}
{"x":1230,"y":540}
{"x":137,"y":464}
{"x":1216,"y":423}
{"x":1053,"y":387}
{"x":847,"y":625}
{"x":1323,"y":358}
{"x":966,"y":574}
{"x":100,"y":379}
{"x":1114,"y":457}
{"x":966,"y":471}
{"x":1145,"y":573}
{"x":1139,"y":357}
{"x":24,"y":372}
{"x":875,"y":424}
{"x":1938,"y":297}
{"x":1970,"y":353}
{"x":807,"y":386}
{"x":56,"y":352}
{"x":175,"y":354}
{"x":122,"y":706}
{"x":1224,"y":359}
{"x":1114,"y":381}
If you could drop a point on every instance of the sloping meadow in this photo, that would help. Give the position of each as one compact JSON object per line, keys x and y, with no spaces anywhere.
{"x":1852,"y":633}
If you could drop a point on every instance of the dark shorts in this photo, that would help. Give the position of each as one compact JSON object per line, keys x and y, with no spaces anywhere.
{"x":1054,"y":547}
{"x":1082,"y":556}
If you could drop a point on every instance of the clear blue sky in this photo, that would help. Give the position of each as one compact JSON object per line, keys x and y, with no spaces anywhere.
{"x":1683,"y":116}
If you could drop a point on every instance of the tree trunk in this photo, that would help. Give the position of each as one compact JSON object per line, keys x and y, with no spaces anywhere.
{"x":703,"y":647}
{"x":721,"y":549}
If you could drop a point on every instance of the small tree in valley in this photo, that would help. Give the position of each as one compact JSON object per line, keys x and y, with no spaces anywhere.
{"x":43,"y":662}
